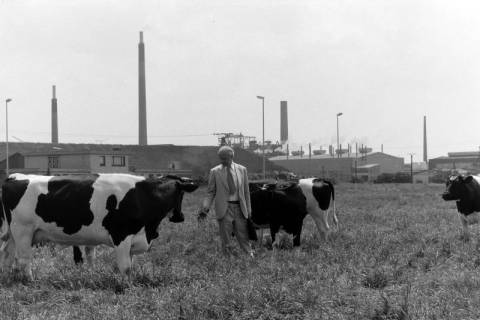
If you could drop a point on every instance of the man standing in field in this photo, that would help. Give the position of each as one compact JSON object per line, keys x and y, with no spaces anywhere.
{"x":228,"y":186}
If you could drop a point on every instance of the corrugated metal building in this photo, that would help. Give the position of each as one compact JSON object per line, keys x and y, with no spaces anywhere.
{"x":365,"y":166}
{"x":469,"y":160}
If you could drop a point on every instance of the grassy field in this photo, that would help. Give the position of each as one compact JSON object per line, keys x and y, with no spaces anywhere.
{"x":398,"y":255}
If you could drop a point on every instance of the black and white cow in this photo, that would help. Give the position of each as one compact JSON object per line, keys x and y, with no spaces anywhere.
{"x":466,"y":192}
{"x":285,"y":206}
{"x":90,"y":250}
{"x":118,"y":210}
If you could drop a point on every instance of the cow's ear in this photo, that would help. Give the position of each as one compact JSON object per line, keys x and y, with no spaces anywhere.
{"x":468,"y":179}
{"x":188,"y":186}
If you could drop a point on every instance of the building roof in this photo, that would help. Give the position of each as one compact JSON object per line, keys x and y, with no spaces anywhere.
{"x":76,"y":152}
{"x":368,"y":166}
{"x":327,"y":156}
{"x":463,"y":154}
{"x":457,"y":157}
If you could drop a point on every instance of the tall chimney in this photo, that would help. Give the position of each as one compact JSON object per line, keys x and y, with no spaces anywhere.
{"x":54,"y":117}
{"x":142,"y":100}
{"x":425,"y":157}
{"x":283,"y":122}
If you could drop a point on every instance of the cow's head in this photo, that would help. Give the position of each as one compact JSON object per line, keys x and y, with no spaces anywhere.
{"x":158,"y":197}
{"x":465,"y":191}
{"x":180,"y":185}
{"x":457,"y":188}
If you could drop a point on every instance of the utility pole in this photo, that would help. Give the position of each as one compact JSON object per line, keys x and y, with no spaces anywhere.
{"x":6,"y":137}
{"x":338,"y":143}
{"x":411,"y":165}
{"x":356,"y":159}
{"x":263,"y":134}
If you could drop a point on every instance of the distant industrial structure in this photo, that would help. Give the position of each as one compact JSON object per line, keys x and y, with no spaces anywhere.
{"x":73,"y":158}
{"x":283,"y":122}
{"x":239,"y":140}
{"x":355,"y":166}
{"x":142,"y":96}
{"x":76,"y":161}
{"x":425,"y":157}
{"x":466,"y":160}
{"x":340,"y":163}
{"x":54,"y":117}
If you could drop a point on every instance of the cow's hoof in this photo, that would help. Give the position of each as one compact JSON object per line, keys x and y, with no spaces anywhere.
{"x":177,"y":218}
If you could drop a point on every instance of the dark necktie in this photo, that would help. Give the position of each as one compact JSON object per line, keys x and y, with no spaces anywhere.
{"x":231,"y":183}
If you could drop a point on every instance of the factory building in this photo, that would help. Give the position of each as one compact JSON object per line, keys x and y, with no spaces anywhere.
{"x":150,"y":160}
{"x":366,"y":167}
{"x":467,"y":160}
{"x":77,"y":162}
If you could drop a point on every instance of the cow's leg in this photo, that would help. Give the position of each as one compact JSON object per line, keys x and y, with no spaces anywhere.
{"x":7,"y":254}
{"x":259,"y":237}
{"x":320,"y":219}
{"x":273,"y":233}
{"x":124,"y":259}
{"x":466,"y":233}
{"x":77,"y":255}
{"x":23,"y":248}
{"x":335,"y":218}
{"x":89,"y":254}
{"x":296,"y":236}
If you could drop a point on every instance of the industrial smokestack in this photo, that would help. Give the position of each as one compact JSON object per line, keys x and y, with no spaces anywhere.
{"x":142,"y":100}
{"x":283,"y":122}
{"x":54,"y":117}
{"x":425,"y":157}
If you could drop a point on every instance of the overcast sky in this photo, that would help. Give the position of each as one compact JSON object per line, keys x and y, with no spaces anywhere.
{"x":384,"y":64}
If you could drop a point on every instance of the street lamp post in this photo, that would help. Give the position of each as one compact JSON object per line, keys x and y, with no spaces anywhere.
{"x":338,"y":143}
{"x":263,"y":133}
{"x":6,"y":135}
{"x":411,"y":166}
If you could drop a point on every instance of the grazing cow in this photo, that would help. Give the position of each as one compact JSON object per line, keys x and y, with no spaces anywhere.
{"x":119,"y":210}
{"x":466,"y":192}
{"x":285,"y":205}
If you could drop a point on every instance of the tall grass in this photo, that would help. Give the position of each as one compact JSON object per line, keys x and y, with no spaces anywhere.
{"x":398,"y":255}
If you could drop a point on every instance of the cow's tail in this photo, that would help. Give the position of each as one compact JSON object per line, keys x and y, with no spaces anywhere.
{"x":4,"y":228}
{"x":332,"y":190}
